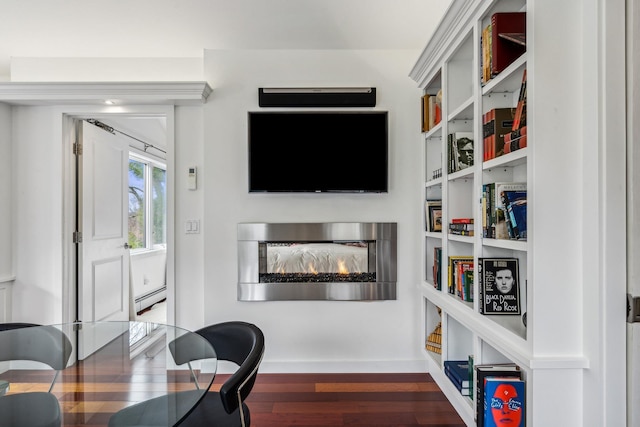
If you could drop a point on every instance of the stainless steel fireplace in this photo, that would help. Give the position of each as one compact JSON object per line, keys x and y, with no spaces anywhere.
{"x":348,"y":261}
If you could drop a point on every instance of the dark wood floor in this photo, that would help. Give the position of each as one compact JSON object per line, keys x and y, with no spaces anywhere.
{"x":277,"y":400}
{"x":375,"y":400}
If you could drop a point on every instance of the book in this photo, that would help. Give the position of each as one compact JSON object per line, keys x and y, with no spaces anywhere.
{"x":457,"y":266}
{"x":515,"y":203}
{"x":504,"y":402}
{"x":481,"y":372}
{"x":461,"y":220}
{"x":520,"y":116}
{"x":503,"y":229}
{"x":485,"y":42}
{"x":460,"y":145}
{"x":503,"y":51}
{"x":515,"y":139}
{"x":497,"y":123}
{"x":437,"y":267}
{"x":425,"y":113}
{"x":458,"y":373}
{"x":499,"y":285}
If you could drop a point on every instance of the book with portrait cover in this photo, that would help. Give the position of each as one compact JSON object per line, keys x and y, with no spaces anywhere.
{"x":481,"y":373}
{"x":504,"y":402}
{"x":498,"y":285}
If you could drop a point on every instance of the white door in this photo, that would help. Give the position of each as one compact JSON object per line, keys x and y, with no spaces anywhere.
{"x":103,"y":254}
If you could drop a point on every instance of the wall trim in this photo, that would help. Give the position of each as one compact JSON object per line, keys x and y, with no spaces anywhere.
{"x":38,"y":93}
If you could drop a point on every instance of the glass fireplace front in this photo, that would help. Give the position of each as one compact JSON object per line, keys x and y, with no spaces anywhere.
{"x":319,"y":261}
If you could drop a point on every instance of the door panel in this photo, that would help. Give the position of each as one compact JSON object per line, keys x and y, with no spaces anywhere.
{"x":103,"y":253}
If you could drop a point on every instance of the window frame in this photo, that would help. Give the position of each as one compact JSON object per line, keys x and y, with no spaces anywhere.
{"x":149,"y":163}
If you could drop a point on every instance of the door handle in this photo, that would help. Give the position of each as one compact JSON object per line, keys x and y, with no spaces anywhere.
{"x":126,"y":245}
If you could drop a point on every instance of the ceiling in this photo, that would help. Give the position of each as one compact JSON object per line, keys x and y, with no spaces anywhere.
{"x":185,"y":28}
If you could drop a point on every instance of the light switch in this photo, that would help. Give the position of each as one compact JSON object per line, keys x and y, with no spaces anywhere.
{"x":192,"y":226}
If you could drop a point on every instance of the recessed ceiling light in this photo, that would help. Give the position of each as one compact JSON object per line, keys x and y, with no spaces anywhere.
{"x":109,"y":102}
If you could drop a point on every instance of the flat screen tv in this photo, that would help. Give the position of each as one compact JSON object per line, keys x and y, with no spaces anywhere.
{"x":337,"y":151}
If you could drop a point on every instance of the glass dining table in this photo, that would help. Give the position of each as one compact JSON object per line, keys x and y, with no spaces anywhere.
{"x":112,"y":366}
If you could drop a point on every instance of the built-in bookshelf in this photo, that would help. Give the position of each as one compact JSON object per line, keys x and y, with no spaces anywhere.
{"x":452,"y":65}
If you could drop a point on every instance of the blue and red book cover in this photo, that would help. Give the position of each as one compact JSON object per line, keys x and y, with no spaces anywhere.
{"x":504,"y":402}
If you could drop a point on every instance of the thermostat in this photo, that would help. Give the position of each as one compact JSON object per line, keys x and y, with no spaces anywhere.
{"x":192,"y":178}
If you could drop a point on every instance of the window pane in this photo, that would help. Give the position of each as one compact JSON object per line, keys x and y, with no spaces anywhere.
{"x":159,"y":207}
{"x":136,"y":204}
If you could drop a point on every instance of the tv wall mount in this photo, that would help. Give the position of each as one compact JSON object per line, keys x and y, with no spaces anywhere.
{"x":317,"y":97}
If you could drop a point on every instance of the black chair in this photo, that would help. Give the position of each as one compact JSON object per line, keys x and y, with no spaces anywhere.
{"x":45,"y":344}
{"x":239,"y":342}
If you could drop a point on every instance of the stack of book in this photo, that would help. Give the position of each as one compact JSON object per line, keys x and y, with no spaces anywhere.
{"x":460,"y":375}
{"x":461,"y":226}
{"x":496,"y":123}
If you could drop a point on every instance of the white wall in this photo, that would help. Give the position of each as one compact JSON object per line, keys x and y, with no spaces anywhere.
{"x":6,"y":269}
{"x":313,"y":335}
{"x":36,"y":163}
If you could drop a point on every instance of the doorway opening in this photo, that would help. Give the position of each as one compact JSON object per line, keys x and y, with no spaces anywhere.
{"x":145,"y":234}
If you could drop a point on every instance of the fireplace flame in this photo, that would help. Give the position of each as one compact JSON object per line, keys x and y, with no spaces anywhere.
{"x":312,"y":269}
{"x":342,"y":269}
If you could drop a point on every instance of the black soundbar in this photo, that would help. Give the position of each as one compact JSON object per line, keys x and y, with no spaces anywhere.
{"x":317,"y":97}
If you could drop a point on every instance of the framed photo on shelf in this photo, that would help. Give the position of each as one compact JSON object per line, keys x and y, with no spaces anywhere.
{"x":433,"y":215}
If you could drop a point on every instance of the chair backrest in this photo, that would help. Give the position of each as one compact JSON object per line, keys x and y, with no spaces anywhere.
{"x":243,"y":344}
{"x":45,"y":344}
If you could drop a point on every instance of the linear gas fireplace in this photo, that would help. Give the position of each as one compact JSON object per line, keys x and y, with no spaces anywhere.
{"x":350,"y":261}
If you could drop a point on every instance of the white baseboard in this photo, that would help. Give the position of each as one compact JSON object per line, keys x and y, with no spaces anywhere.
{"x":328,"y":367}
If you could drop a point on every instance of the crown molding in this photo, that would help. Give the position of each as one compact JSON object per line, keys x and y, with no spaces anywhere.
{"x":39,"y":93}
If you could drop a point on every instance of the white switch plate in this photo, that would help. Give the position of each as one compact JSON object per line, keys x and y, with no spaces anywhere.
{"x":192,"y":226}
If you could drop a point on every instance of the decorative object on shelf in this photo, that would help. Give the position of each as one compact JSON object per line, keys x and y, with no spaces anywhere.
{"x":499,"y":286}
{"x":482,"y":372}
{"x":434,"y":340}
{"x":504,"y":400}
{"x":431,"y":110}
{"x":433,"y":215}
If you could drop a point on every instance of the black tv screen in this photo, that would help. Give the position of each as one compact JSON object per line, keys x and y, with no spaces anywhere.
{"x":308,"y":151}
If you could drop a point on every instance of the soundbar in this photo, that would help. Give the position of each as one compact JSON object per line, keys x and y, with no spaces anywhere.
{"x":317,"y":97}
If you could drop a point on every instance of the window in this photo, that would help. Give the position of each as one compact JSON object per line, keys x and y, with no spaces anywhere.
{"x":147,"y":203}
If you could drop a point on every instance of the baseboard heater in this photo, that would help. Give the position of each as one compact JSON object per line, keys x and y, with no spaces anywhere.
{"x":317,"y":97}
{"x":150,"y":298}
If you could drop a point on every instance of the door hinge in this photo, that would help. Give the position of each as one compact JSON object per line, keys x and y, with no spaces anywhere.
{"x":633,"y":309}
{"x":77,"y":237}
{"x":77,"y":149}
